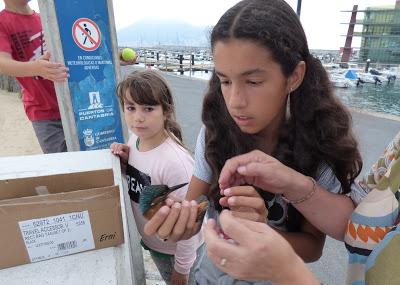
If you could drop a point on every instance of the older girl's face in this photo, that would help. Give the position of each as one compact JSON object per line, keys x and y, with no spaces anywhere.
{"x":253,"y":85}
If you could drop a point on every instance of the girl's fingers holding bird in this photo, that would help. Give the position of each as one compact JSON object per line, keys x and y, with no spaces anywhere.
{"x":172,"y":199}
{"x":169,"y":202}
{"x":166,"y":228}
{"x":156,"y":221}
{"x":191,"y":227}
{"x":180,"y":225}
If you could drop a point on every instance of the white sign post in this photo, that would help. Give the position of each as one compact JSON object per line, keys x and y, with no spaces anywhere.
{"x":82,"y":35}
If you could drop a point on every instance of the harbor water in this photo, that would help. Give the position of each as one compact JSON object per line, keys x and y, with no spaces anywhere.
{"x":382,"y":99}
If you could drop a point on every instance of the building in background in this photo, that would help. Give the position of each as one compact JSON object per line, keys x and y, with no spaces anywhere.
{"x":380,"y":35}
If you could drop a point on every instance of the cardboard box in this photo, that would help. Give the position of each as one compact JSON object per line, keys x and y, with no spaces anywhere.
{"x":52,"y":216}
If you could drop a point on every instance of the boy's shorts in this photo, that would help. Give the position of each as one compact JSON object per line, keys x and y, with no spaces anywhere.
{"x":50,"y":135}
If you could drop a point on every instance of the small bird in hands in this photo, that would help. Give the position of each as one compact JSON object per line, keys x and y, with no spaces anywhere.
{"x":153,"y":197}
{"x":202,"y":201}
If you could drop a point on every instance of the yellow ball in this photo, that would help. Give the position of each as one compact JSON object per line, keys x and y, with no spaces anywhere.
{"x":128,"y":54}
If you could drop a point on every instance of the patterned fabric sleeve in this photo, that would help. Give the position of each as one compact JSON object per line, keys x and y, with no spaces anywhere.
{"x":379,"y":168}
{"x":361,"y":188}
{"x":358,"y":192}
{"x":372,"y":237}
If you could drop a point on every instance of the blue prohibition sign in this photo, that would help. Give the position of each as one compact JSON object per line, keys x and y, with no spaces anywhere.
{"x":85,"y":38}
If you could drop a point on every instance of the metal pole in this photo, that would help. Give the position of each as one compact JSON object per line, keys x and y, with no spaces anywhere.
{"x":181,"y":64}
{"x":166,"y":61}
{"x":298,"y":7}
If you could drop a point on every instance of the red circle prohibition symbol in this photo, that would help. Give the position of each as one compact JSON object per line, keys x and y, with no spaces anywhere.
{"x":78,"y":28}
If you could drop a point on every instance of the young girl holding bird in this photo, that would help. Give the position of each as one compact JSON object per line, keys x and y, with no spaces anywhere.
{"x":156,"y":162}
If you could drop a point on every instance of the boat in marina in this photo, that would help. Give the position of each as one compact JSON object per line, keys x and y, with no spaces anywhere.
{"x":344,"y":78}
{"x":340,"y":81}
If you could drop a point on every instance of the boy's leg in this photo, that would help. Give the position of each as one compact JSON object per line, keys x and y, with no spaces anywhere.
{"x":50,"y":135}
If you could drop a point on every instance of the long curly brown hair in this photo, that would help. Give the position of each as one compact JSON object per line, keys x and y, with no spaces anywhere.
{"x":319,"y":128}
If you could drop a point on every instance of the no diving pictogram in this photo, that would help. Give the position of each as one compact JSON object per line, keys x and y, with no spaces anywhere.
{"x":86,"y":34}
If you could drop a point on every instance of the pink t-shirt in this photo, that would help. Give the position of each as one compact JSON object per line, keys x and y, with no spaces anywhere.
{"x":22,"y":37}
{"x":168,"y":164}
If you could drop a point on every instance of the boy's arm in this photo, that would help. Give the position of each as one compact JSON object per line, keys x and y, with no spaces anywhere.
{"x":40,"y":67}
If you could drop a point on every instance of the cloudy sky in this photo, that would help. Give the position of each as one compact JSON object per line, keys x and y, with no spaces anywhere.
{"x":321,"y":18}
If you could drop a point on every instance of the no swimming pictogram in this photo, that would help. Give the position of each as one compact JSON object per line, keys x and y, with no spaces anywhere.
{"x":86,"y":34}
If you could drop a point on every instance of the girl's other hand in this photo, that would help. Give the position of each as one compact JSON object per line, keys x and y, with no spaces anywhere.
{"x":121,"y":150}
{"x":244,"y":202}
{"x":179,"y":279}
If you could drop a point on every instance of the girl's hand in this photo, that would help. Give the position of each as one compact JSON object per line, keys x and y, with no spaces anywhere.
{"x":121,"y":150}
{"x":178,"y":219}
{"x":261,"y":170}
{"x":175,"y":221}
{"x":258,"y":253}
{"x":245,"y":203}
{"x":179,"y":279}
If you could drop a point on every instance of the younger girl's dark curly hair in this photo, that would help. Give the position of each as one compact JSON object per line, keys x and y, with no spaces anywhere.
{"x":319,"y":128}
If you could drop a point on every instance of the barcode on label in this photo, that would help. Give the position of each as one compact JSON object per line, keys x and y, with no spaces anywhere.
{"x":67,"y":245}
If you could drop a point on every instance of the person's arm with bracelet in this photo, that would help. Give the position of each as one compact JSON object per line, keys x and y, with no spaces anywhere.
{"x":319,"y":206}
{"x":316,"y":204}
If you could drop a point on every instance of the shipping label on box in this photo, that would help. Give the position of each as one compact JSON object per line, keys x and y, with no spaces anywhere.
{"x":52,"y":216}
{"x":56,"y":236}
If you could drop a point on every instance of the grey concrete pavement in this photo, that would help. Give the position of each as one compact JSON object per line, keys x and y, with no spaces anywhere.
{"x":372,"y":132}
